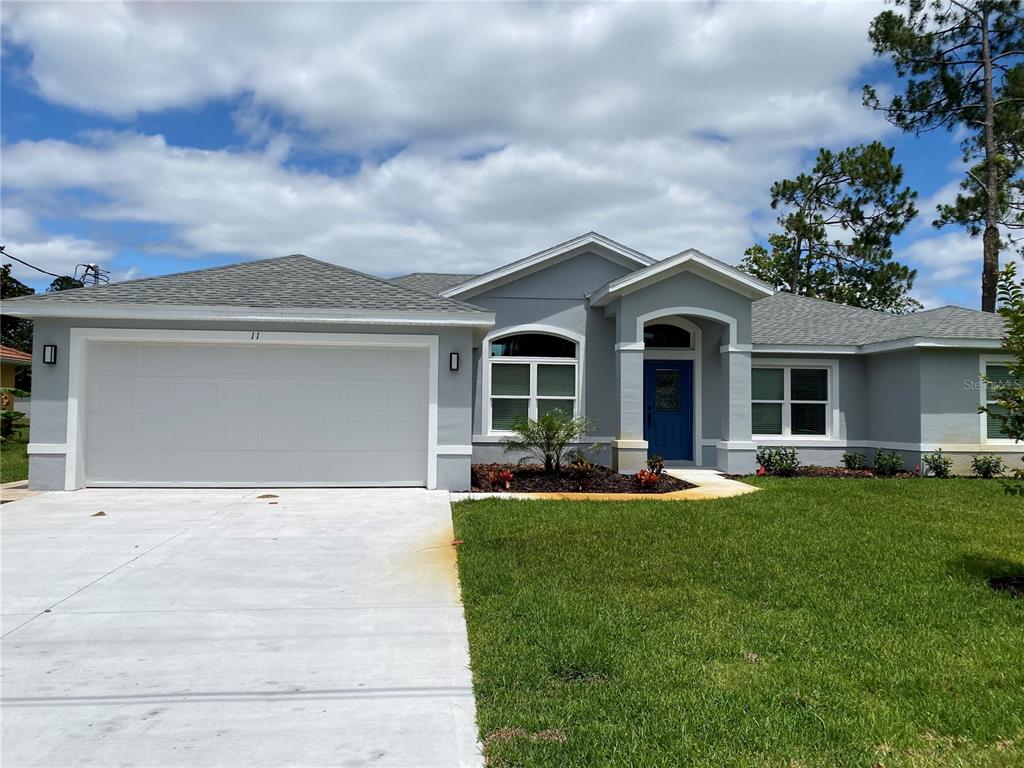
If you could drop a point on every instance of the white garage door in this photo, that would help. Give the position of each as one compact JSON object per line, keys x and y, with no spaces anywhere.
{"x":254,"y":415}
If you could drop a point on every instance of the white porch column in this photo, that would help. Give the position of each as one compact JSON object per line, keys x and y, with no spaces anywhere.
{"x":629,"y":449}
{"x":735,"y":450}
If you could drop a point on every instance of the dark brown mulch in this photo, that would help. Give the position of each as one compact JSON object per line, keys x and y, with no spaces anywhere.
{"x":530,"y":478}
{"x":844,"y":472}
{"x":1011,"y":585}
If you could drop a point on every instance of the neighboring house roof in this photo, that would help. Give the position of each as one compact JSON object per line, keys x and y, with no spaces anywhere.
{"x":785,"y":319}
{"x":590,"y":242}
{"x":290,"y":283}
{"x":690,"y":260}
{"x":16,"y":356}
{"x":431,"y":282}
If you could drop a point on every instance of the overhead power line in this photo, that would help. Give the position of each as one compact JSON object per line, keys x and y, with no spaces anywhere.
{"x":6,"y":255}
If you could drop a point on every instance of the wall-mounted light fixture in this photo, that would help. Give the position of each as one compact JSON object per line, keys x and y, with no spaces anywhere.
{"x":49,"y":353}
{"x":453,"y":361}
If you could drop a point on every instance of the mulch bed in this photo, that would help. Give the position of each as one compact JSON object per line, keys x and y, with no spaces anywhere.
{"x":844,"y":472}
{"x":530,"y":478}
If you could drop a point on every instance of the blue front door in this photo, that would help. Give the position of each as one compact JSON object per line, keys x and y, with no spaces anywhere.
{"x":668,"y":408}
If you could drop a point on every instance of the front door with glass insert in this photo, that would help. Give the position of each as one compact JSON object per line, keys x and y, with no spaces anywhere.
{"x":668,"y":408}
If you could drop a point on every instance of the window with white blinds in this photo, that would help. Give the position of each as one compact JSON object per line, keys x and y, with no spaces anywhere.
{"x":996,"y":375}
{"x":789,"y":401}
{"x":531,"y":375}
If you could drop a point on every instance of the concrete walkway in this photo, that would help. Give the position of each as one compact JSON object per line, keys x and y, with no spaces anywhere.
{"x":711,"y":484}
{"x":233,"y":628}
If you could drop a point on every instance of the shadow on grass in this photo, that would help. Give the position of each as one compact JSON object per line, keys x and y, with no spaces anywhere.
{"x":998,"y":573}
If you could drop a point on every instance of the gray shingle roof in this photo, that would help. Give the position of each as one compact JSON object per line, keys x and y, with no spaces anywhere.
{"x":788,"y":319}
{"x":431,"y":282}
{"x":296,"y":282}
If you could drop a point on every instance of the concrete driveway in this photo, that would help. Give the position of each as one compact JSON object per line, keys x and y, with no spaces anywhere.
{"x":233,"y":628}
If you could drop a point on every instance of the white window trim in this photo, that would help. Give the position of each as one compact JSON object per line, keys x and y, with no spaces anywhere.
{"x":984,"y":362}
{"x":488,"y":361}
{"x":832,"y":415}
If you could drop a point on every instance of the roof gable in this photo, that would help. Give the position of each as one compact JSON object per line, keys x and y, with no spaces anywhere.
{"x":690,"y":260}
{"x":591,"y":242}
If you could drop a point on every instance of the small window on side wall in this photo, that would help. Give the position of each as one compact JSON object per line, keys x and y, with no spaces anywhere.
{"x":996,"y":375}
{"x":662,"y":335}
{"x":789,"y":401}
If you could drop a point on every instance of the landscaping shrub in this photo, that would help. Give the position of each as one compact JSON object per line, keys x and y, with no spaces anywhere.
{"x":648,"y":479}
{"x":888,"y":463}
{"x":988,"y":466}
{"x":778,"y":461}
{"x":938,"y":464}
{"x":655,"y":464}
{"x":549,"y":438}
{"x":855,"y":460}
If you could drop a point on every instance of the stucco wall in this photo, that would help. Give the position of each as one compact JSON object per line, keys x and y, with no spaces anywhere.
{"x":50,"y":388}
{"x":894,"y":395}
{"x":556,"y":297}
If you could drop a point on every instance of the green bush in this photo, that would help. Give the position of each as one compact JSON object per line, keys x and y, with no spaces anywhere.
{"x":988,"y":466}
{"x":939,"y":464}
{"x":550,"y":439}
{"x":888,"y":463}
{"x":855,"y":460}
{"x":778,"y":461}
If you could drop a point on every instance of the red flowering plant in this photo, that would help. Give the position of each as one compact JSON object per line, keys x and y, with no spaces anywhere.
{"x":648,"y":479}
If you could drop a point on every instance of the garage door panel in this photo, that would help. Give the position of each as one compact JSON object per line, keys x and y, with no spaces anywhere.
{"x":406,"y":365}
{"x":110,"y":394}
{"x":112,"y":359}
{"x":241,"y":362}
{"x":367,"y":433}
{"x":405,"y":398}
{"x":183,"y":413}
{"x":238,"y":432}
{"x":111,"y":434}
{"x":155,"y":394}
{"x":154,"y":429}
{"x":195,"y":395}
{"x":157,"y":359}
{"x":371,"y":394}
{"x":201,"y":360}
{"x":238,"y":397}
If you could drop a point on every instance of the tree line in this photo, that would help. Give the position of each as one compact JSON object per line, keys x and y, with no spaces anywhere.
{"x":961,"y":66}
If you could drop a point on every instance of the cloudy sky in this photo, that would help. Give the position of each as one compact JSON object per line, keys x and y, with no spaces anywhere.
{"x":392,"y":138}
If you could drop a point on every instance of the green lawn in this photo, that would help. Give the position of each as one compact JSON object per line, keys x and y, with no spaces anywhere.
{"x":817,"y":623}
{"x":14,"y":456}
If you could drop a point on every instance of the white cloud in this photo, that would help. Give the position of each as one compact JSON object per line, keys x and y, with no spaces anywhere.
{"x":661,"y":125}
{"x":59,"y":255}
{"x":374,"y":73}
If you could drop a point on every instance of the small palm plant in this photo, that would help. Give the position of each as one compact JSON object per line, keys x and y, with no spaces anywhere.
{"x":552,"y":438}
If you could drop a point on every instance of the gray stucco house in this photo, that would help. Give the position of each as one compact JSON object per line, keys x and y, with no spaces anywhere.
{"x":292,"y":371}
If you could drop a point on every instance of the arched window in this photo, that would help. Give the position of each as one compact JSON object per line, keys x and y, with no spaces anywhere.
{"x":531,"y":374}
{"x":661,"y":335}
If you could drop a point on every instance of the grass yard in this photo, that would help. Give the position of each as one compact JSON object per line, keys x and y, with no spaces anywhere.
{"x":817,"y":623}
{"x":14,"y":456}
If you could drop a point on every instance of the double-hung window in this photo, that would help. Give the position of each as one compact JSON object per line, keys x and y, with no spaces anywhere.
{"x":790,"y":401}
{"x":995,"y":375}
{"x":531,"y":374}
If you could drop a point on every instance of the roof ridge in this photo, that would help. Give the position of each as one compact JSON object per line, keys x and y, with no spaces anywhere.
{"x":133,"y":281}
{"x":385,"y":281}
{"x":878,"y":312}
